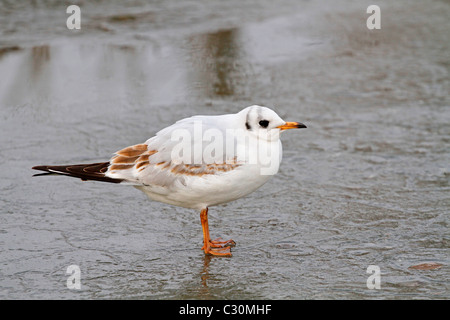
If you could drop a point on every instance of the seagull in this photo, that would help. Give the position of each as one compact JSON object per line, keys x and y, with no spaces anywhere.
{"x":198,"y":162}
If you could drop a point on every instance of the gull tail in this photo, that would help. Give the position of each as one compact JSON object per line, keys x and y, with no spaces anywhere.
{"x":92,"y":171}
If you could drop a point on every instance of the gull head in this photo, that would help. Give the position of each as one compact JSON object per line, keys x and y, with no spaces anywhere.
{"x":265,"y":124}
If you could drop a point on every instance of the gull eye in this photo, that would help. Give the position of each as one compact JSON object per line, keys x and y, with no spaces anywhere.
{"x":264,"y":123}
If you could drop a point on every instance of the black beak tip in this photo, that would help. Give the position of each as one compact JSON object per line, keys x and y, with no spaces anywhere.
{"x":301,"y":126}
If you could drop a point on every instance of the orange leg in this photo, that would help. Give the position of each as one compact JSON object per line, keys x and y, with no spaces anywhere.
{"x":220,"y":243}
{"x":214,"y":247}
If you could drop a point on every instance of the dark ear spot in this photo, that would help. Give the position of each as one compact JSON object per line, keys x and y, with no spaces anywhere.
{"x":247,"y":126}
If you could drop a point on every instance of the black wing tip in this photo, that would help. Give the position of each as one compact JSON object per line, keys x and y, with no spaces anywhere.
{"x":44,"y":174}
{"x":47,"y":172}
{"x":42,"y":168}
{"x":77,"y":171}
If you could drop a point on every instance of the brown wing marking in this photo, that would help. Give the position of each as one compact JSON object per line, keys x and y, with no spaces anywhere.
{"x":133,"y":156}
{"x":124,"y":160}
{"x":133,"y":151}
{"x":137,"y":156}
{"x":142,"y":162}
{"x":198,"y":169}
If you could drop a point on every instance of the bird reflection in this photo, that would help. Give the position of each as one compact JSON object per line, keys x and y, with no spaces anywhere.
{"x":204,"y":275}
{"x":215,"y":57}
{"x":40,"y":57}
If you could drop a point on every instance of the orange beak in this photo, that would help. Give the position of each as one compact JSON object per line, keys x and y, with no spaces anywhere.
{"x":291,"y":125}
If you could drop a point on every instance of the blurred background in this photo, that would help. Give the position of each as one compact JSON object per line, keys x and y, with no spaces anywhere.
{"x":366,"y":184}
